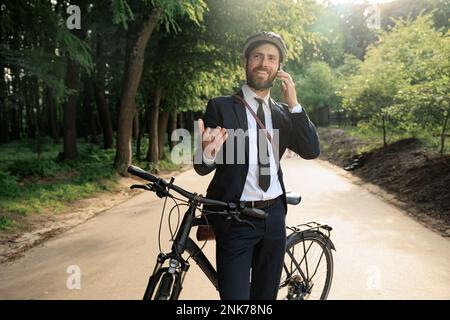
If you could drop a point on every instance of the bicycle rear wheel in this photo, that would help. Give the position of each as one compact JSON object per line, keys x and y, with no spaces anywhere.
{"x":308,"y":268}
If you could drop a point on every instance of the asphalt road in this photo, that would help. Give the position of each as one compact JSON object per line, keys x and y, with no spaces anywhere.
{"x":382,"y":253}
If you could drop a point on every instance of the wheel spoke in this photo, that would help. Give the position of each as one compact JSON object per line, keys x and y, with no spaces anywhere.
{"x":307,"y":274}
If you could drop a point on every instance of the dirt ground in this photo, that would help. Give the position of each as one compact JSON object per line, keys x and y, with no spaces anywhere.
{"x":418,"y":177}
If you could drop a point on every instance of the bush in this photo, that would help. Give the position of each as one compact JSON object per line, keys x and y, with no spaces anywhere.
{"x":8,"y":184}
{"x":33,"y":167}
{"x":6,"y":223}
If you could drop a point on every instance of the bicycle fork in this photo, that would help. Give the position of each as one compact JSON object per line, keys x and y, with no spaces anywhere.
{"x":171,"y":279}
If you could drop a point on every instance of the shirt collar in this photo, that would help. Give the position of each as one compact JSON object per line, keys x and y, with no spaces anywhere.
{"x":250,"y":96}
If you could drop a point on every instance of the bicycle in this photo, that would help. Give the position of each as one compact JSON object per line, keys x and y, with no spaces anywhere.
{"x":298,"y":282}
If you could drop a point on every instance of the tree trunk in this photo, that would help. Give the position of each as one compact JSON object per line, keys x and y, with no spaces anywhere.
{"x":172,"y":127}
{"x":444,"y":132}
{"x":89,"y":113}
{"x":18,"y":116}
{"x":136,"y":127}
{"x":4,"y":118}
{"x":133,"y":71}
{"x":384,"y":130}
{"x":51,"y":122}
{"x":181,"y":122}
{"x":162,"y":131}
{"x":99,"y":93}
{"x":51,"y":114}
{"x":142,"y":128}
{"x":70,"y":107}
{"x":14,"y":120}
{"x":153,"y":146}
{"x":27,"y":88}
{"x":70,"y":112}
{"x":4,"y":128}
{"x":38,"y":104}
{"x":16,"y":107}
{"x":190,"y":121}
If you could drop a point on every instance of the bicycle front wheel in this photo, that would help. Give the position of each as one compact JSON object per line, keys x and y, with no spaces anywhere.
{"x":308,"y":268}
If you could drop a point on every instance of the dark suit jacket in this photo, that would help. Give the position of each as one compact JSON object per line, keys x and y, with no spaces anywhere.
{"x":296,"y":132}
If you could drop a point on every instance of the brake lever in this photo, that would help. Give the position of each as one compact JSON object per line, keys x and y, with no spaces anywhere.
{"x":141,"y":186}
{"x":160,"y":191}
{"x":245,"y":221}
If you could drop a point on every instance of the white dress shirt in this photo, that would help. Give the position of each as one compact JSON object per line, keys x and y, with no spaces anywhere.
{"x":252,"y":191}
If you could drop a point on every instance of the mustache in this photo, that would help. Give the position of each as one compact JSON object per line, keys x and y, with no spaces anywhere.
{"x":262,"y":69}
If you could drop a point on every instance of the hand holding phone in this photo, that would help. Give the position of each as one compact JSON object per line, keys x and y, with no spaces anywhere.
{"x":287,"y":87}
{"x":282,"y":85}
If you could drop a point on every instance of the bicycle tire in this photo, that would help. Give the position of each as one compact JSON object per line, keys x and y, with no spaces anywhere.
{"x":299,"y":283}
{"x":151,"y":286}
{"x":159,"y":289}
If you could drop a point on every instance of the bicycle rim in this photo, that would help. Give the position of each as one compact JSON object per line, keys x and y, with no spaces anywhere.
{"x":306,"y":276}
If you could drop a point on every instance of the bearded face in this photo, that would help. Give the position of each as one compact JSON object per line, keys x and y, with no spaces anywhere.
{"x":262,"y":66}
{"x":260,"y":78}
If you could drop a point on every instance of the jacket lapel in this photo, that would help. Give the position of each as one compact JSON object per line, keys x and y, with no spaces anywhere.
{"x":277,"y":122}
{"x":241,"y":115}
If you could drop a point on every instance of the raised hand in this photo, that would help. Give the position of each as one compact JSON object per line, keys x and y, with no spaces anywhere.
{"x":288,"y":88}
{"x":212,"y":139}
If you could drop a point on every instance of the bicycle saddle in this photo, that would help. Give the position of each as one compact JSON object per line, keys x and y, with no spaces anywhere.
{"x":293,"y":198}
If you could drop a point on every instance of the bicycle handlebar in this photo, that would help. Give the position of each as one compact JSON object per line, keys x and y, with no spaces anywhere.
{"x":251,"y":212}
{"x":149,"y":177}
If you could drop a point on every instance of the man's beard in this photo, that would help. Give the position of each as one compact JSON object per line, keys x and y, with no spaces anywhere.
{"x":256,"y":84}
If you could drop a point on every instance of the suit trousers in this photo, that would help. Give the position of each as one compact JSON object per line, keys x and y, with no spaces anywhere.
{"x":250,"y":262}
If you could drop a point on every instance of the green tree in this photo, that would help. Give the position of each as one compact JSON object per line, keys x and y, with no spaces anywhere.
{"x":330,"y":46}
{"x":353,"y":24}
{"x":36,"y":52}
{"x":411,"y":9}
{"x":425,"y":99}
{"x":403,"y":82}
{"x":147,"y":16}
{"x":317,"y":86}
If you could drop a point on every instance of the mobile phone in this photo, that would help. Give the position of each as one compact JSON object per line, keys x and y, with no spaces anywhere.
{"x":280,"y":68}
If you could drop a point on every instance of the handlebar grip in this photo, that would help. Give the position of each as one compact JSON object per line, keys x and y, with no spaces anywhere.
{"x":142,"y":173}
{"x":255,"y":213}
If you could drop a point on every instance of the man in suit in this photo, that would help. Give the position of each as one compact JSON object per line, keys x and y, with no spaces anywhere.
{"x":249,"y":261}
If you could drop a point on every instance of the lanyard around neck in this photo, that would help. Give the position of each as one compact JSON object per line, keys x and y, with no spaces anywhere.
{"x":260,"y":124}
